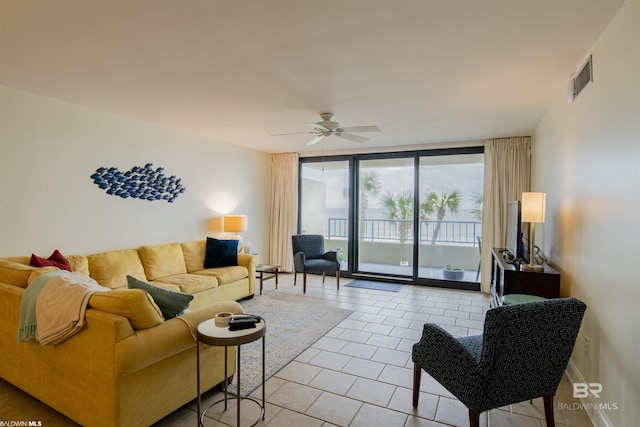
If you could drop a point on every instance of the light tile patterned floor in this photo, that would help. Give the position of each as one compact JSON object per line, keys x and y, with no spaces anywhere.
{"x":358,"y":374}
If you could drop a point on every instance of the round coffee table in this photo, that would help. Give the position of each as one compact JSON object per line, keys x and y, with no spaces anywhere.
{"x":210,"y":334}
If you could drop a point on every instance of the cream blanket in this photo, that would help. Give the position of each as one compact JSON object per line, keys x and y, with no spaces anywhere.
{"x":61,"y":306}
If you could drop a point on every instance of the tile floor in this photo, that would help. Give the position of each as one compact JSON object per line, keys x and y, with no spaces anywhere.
{"x":359,"y":374}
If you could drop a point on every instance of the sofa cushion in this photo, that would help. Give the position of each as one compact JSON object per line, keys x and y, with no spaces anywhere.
{"x":37,"y":272}
{"x":169,"y":286}
{"x":15,"y":273}
{"x":220,"y":253}
{"x":171,"y":303}
{"x":225,"y":274}
{"x":162,"y":260}
{"x":194,"y":254}
{"x":79,"y":263}
{"x":56,"y":259}
{"x":111,"y":269}
{"x":134,"y":304}
{"x":190,"y":283}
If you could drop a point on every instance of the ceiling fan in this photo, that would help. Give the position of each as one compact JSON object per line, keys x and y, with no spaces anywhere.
{"x":327,"y":127}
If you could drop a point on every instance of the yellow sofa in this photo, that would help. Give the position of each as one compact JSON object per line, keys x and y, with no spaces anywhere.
{"x":127,"y":366}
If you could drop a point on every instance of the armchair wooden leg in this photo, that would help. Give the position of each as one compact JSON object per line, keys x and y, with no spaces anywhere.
{"x":338,"y":279}
{"x":548,"y":411}
{"x":417,"y":374}
{"x":323,"y":276}
{"x":304,"y":283}
{"x":474,"y":419}
{"x":295,"y":277}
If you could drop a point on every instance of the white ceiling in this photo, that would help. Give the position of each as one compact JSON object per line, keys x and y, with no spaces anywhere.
{"x":237,"y":71}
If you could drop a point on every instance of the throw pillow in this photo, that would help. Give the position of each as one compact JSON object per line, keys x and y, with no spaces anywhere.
{"x":220,"y":253}
{"x":171,"y":303}
{"x":55,"y":260}
{"x":134,"y":304}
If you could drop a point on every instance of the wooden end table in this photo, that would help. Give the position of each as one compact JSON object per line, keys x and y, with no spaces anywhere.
{"x":266,"y":272}
{"x":210,"y":334}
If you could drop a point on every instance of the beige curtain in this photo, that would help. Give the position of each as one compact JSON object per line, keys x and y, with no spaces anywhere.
{"x":284,"y":209}
{"x":507,"y":173}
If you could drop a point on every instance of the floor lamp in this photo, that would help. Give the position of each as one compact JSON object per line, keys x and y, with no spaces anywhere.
{"x":236,"y":224}
{"x":533,"y":210}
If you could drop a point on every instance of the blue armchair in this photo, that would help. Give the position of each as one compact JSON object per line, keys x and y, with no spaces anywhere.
{"x":309,"y":257}
{"x":521,"y":355}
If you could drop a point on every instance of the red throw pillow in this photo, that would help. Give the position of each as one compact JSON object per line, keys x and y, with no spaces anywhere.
{"x":55,"y":260}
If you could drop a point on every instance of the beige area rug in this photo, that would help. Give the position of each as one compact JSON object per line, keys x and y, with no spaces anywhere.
{"x":294,"y":323}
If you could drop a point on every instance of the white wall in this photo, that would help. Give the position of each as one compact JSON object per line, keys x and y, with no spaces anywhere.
{"x":49,"y":149}
{"x":586,"y":157}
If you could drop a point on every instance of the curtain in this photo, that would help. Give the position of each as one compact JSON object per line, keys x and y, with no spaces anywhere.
{"x":284,"y":209}
{"x":507,"y":165}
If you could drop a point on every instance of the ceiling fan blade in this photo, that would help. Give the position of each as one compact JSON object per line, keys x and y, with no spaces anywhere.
{"x":290,"y":133}
{"x":357,"y":129}
{"x":351,"y":137}
{"x":315,"y":140}
{"x":317,"y":126}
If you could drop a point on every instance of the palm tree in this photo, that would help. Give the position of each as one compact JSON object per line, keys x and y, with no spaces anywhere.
{"x":439,"y":202}
{"x":369,"y":186}
{"x":400,"y":207}
{"x":478,"y":201}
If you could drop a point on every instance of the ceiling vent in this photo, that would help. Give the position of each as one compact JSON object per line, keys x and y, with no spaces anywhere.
{"x":579,"y":82}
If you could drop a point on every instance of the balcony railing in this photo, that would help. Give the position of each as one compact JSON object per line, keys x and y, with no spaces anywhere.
{"x":451,"y":232}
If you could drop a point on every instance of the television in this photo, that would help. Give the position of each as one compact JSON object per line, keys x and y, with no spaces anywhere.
{"x":513,"y":232}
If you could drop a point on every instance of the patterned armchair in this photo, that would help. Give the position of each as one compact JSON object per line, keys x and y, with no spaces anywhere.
{"x":521,"y":355}
{"x":309,"y":257}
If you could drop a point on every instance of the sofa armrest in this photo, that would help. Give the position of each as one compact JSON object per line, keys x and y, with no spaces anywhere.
{"x":248,"y":260}
{"x":251,"y":262}
{"x":149,"y":346}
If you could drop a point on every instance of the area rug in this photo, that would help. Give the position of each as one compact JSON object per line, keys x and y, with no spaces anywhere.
{"x":378,"y":286}
{"x":294,"y":323}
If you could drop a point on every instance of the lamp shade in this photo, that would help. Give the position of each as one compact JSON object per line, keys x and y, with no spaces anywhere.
{"x":533,"y":207}
{"x":235,"y":223}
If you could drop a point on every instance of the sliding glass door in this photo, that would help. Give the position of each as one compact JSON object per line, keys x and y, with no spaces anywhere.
{"x":324,"y":204}
{"x":385,"y":216}
{"x":414,"y":216}
{"x":450,"y":226}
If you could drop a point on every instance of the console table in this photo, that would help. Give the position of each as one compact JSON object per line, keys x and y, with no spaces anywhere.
{"x":507,"y":278}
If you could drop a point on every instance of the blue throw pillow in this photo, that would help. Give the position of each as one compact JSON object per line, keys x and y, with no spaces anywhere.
{"x":170,"y":303}
{"x":220,"y":253}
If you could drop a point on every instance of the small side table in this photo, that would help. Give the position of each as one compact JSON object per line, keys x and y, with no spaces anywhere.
{"x":271,"y":270}
{"x":210,"y":334}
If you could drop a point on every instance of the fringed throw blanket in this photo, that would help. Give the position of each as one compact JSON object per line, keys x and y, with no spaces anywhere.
{"x":53,"y":306}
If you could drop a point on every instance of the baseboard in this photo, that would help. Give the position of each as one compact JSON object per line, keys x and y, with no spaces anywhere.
{"x":597,"y":416}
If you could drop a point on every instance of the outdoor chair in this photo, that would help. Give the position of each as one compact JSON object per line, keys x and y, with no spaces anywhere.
{"x":309,"y":257}
{"x":521,"y":355}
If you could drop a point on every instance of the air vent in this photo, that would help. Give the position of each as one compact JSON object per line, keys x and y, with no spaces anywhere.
{"x":583,"y":79}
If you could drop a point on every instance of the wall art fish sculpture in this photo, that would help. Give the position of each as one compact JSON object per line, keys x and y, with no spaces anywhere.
{"x":140,"y":183}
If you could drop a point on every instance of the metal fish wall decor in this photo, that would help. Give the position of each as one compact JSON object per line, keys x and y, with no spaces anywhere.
{"x":140,"y":183}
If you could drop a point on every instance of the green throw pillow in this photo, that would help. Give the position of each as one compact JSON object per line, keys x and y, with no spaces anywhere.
{"x":171,"y":303}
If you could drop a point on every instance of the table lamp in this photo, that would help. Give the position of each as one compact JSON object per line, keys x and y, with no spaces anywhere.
{"x":533,"y":210}
{"x":235,"y":224}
